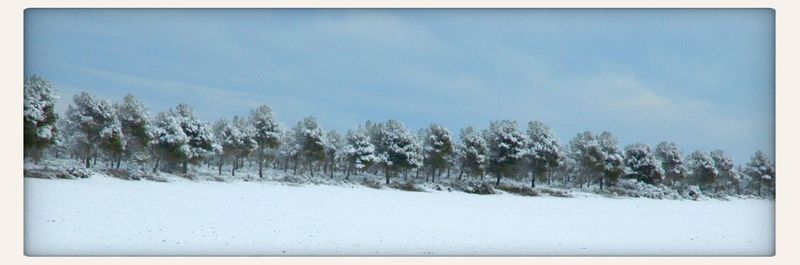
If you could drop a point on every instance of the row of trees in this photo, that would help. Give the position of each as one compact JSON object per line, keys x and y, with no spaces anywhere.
{"x":94,"y":128}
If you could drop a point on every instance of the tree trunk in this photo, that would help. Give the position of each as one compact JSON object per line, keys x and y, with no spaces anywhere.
{"x":88,"y":157}
{"x":386,"y":172}
{"x":219,"y":165}
{"x":260,"y":167}
{"x":347,"y":174}
{"x":433,"y":176}
{"x":234,"y":165}
{"x":533,"y":180}
{"x":119,"y":159}
{"x":602,"y":181}
{"x":185,"y":166}
{"x":311,"y":168}
{"x":497,"y":183}
{"x":155,"y":168}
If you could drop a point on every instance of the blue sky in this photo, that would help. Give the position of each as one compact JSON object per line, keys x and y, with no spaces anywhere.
{"x":703,"y":78}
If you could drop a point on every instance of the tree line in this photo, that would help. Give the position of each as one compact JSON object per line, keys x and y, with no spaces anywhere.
{"x":95,"y":128}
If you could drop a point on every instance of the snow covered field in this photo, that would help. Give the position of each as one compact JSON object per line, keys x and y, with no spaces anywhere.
{"x":108,"y":216}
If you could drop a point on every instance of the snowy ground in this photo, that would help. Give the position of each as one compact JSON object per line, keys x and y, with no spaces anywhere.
{"x":108,"y":216}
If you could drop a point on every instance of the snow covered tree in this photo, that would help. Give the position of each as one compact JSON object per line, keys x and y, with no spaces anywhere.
{"x":641,"y":164}
{"x":39,"y":122}
{"x":702,"y":170}
{"x":236,"y":141}
{"x":728,"y":178}
{"x":613,"y":162}
{"x":334,"y":151}
{"x":267,"y":134}
{"x":507,"y":148}
{"x":472,"y":152}
{"x":671,"y":162}
{"x":170,"y":142}
{"x":96,"y":121}
{"x":359,"y":151}
{"x":761,"y":172}
{"x":310,"y":142}
{"x":438,"y":146}
{"x":201,"y":139}
{"x":396,"y":148}
{"x":598,"y":157}
{"x":544,"y":151}
{"x":134,"y":119}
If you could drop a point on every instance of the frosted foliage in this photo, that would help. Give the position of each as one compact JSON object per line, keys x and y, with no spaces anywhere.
{"x":201,"y":138}
{"x":544,"y":149}
{"x":438,"y":145}
{"x":397,"y":147}
{"x":702,"y":168}
{"x":168,"y":133}
{"x":310,"y":139}
{"x":671,"y":159}
{"x":38,"y":96}
{"x":761,"y":169}
{"x":38,"y":110}
{"x":472,"y":151}
{"x":267,"y":130}
{"x":641,"y":163}
{"x":506,"y":142}
{"x":360,"y":149}
{"x":95,"y":117}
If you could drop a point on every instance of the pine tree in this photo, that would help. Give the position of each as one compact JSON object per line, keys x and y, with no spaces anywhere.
{"x":472,"y":152}
{"x":96,"y":122}
{"x":544,"y":152}
{"x":310,"y":142}
{"x":728,"y":177}
{"x":267,"y":135}
{"x":507,"y":148}
{"x":761,"y":172}
{"x":359,"y":151}
{"x":641,"y":164}
{"x":702,"y":170}
{"x":39,"y":126}
{"x":672,"y":162}
{"x":134,"y":119}
{"x":438,"y":146}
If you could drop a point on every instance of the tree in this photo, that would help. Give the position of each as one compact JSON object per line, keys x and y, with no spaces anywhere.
{"x":39,"y":122}
{"x":472,"y":152}
{"x":236,"y":141}
{"x":613,"y":164}
{"x":267,"y":135}
{"x":201,"y":139}
{"x":761,"y":172}
{"x":170,"y":142}
{"x":587,"y":154}
{"x":507,"y":148}
{"x":310,"y":142}
{"x":96,"y":121}
{"x":728,"y":177}
{"x":438,"y":146}
{"x":671,"y":162}
{"x":702,"y":170}
{"x":544,"y":151}
{"x":334,"y":151}
{"x":641,"y":164}
{"x":396,"y":148}
{"x":134,"y":120}
{"x":359,"y":151}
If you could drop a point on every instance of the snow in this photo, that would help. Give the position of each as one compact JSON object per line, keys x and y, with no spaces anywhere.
{"x":108,"y":216}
